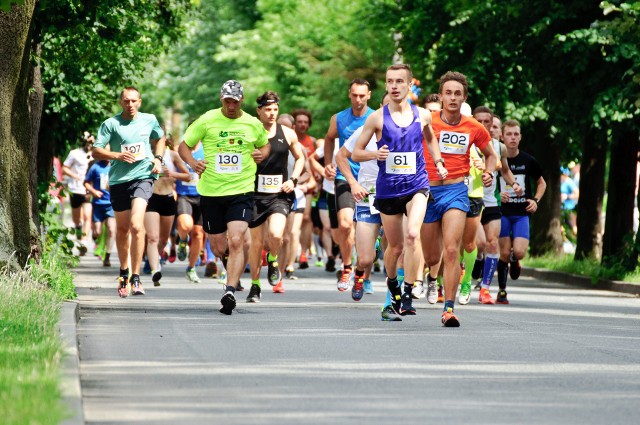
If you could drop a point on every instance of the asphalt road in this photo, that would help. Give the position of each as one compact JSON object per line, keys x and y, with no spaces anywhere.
{"x":556,"y":354}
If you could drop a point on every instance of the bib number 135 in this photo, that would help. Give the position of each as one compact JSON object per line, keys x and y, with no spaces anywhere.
{"x":229,"y":163}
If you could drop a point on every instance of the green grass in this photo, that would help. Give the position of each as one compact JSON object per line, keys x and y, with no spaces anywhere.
{"x":30,"y":348}
{"x":591,"y":268}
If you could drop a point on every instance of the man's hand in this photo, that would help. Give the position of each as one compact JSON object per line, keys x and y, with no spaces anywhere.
{"x":382,"y":153}
{"x":358,"y":192}
{"x":487,"y":179}
{"x":288,"y":186}
{"x":157,"y":165}
{"x":442,"y":172}
{"x":532,"y":206}
{"x":330,"y":172}
{"x":199,"y":166}
{"x":127,"y":157}
{"x":257,"y":156}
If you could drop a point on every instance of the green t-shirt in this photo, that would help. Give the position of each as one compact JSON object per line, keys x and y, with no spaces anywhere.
{"x":228,"y":144}
{"x":134,"y":135}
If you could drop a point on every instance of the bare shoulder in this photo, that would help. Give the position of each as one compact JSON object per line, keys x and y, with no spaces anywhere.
{"x":290,"y":135}
{"x":425,"y":116}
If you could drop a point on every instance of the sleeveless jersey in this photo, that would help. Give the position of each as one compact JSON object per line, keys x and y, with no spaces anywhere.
{"x":273,"y":171}
{"x":189,"y":188}
{"x":491,"y":196}
{"x":167,"y":160}
{"x":347,"y":123}
{"x":404,"y":171}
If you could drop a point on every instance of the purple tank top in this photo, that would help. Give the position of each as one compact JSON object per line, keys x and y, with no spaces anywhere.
{"x":404,"y":171}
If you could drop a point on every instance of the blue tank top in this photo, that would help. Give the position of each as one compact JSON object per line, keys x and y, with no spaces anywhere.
{"x":395,"y":177}
{"x":189,"y":188}
{"x":347,"y":123}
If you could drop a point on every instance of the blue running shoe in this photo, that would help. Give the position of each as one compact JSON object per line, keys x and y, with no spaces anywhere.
{"x":357,"y":291}
{"x":368,"y":287}
{"x":147,"y":267}
{"x":389,"y":315}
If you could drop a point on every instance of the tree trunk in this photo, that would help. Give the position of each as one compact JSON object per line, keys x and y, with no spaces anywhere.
{"x":617,"y":244}
{"x":592,"y":172}
{"x":546,"y":227}
{"x":17,"y":227}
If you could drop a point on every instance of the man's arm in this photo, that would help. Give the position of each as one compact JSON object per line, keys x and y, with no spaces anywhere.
{"x":158,"y":146}
{"x":490,"y":161}
{"x":329,"y":145}
{"x":432,"y":144}
{"x":540,"y":189}
{"x":508,"y":176}
{"x":298,"y":167}
{"x":342,"y":159}
{"x":187,"y":156}
{"x":371,"y":126}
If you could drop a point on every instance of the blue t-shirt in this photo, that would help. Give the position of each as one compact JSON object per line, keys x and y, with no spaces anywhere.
{"x":190,"y":188}
{"x":133,"y":136}
{"x":98,"y":177}
{"x":568,"y":187}
{"x":347,"y":123}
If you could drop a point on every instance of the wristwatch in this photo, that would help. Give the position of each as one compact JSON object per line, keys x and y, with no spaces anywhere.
{"x":294,"y":180}
{"x":536,"y":200}
{"x":439,"y":160}
{"x":158,"y":157}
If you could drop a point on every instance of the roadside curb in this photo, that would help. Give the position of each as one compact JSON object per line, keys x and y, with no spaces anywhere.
{"x":582,"y":281}
{"x":71,"y":392}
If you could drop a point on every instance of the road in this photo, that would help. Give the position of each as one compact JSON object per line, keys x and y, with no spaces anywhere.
{"x":556,"y":354}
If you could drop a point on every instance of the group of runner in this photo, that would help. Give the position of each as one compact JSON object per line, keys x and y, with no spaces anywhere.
{"x":418,"y":177}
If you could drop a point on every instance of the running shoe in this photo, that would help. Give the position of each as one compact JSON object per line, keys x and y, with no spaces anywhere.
{"x":239,"y":287}
{"x":406,"y":307}
{"x":192,"y":276}
{"x":357,"y":291}
{"x":136,"y":286}
{"x":288,"y":272}
{"x":396,"y":296}
{"x":182,"y":250}
{"x":485,"y":297}
{"x":172,"y":254}
{"x":82,"y":250}
{"x":228,"y":302}
{"x":449,"y":319}
{"x":106,"y":262}
{"x":123,"y":286}
{"x":164,"y":256}
{"x":478,"y":268}
{"x":418,"y":291}
{"x":440,"y":298}
{"x":343,"y":282}
{"x":331,"y":265}
{"x":502,"y":298}
{"x":211,"y":270}
{"x":303,"y":263}
{"x":156,"y":275}
{"x":514,"y":267}
{"x":278,"y":288}
{"x":254,"y":294}
{"x":147,"y":267}
{"x":319,"y":263}
{"x":433,"y":292}
{"x":368,"y":287}
{"x":376,"y":267}
{"x":389,"y":315}
{"x":273,"y":273}
{"x":465,"y":293}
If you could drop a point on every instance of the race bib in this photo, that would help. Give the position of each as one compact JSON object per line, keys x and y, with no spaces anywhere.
{"x":401,"y":163}
{"x":372,"y":198}
{"x":229,"y":163}
{"x":507,"y":188}
{"x":137,"y":149}
{"x":454,"y":143}
{"x":195,"y":178}
{"x":269,"y":183}
{"x":104,"y":181}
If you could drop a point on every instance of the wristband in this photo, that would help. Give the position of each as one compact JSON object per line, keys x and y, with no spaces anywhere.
{"x":158,"y":157}
{"x":536,"y":200}
{"x":441,"y":160}
{"x":294,"y":180}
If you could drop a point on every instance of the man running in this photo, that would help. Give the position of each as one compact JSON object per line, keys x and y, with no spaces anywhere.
{"x":402,"y":185}
{"x":97,"y":184}
{"x":273,"y":196}
{"x":136,"y":147}
{"x":229,"y":137}
{"x":342,"y":125}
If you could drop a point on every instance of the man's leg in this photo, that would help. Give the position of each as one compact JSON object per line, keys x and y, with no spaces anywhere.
{"x":452,"y":229}
{"x":138,"y":208}
{"x":393,"y":229}
{"x":152,"y":229}
{"x":197,"y":242}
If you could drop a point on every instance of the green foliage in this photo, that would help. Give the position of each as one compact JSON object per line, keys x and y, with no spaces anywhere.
{"x":6,"y":4}
{"x":588,"y":267}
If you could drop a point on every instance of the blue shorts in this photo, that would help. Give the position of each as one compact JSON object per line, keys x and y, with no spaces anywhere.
{"x":516,"y":226}
{"x":363,"y":214}
{"x":321,"y":203}
{"x":101,"y":212}
{"x":445,"y":198}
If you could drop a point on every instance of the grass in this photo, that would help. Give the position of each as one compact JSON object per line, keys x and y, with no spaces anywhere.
{"x":30,"y":348}
{"x":589,"y":267}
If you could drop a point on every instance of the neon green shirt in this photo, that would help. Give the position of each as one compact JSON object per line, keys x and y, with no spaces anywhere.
{"x":475,"y":186}
{"x":228,"y":144}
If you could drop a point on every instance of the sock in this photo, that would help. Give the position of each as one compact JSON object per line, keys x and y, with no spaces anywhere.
{"x":210,"y":255}
{"x":347,"y":267}
{"x":469,"y":260}
{"x":448,"y":305}
{"x":359,"y":273}
{"x":231,"y":289}
{"x":503,"y":271}
{"x":490,"y":264}
{"x":256,"y":282}
{"x":124,"y":272}
{"x":271,"y":257}
{"x":401,"y":275}
{"x":431,"y":279}
{"x":387,"y":301}
{"x":189,"y":268}
{"x":408,"y":287}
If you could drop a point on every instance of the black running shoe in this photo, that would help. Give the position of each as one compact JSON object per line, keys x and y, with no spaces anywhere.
{"x":478,"y":268}
{"x":502,"y":298}
{"x":156,"y":278}
{"x":273,"y":273}
{"x":228,"y":302}
{"x":389,"y":315}
{"x":514,"y":267}
{"x":254,"y":294}
{"x":406,"y":307}
{"x":331,"y":265}
{"x":239,"y":288}
{"x":396,"y":296}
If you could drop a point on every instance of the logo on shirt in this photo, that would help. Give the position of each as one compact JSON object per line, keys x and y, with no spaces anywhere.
{"x":224,"y":134}
{"x":281,"y":140}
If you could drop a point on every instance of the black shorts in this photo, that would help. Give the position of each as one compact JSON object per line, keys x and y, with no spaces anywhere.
{"x":263,"y":207}
{"x":190,"y":205}
{"x":333,"y":213}
{"x":475,"y":207}
{"x":217,"y":211}
{"x":315,"y":216}
{"x":77,"y":200}
{"x":344,"y":198}
{"x":395,"y":206}
{"x":490,"y":214}
{"x":123,"y":193}
{"x":165,"y":205}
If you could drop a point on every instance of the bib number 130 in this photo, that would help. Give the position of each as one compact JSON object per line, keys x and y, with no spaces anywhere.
{"x":401,"y":163}
{"x":229,"y":163}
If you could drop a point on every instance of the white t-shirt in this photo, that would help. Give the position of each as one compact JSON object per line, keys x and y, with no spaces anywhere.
{"x":78,"y":161}
{"x":368,"y":173}
{"x":328,"y":186}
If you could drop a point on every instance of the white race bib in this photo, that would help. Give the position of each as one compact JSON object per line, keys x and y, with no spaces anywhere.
{"x":401,"y":163}
{"x":195,"y":178}
{"x":229,"y":163}
{"x":104,"y":181}
{"x":509,"y":189}
{"x":372,"y":198}
{"x":269,"y":183}
{"x":453,"y":143}
{"x":137,"y":149}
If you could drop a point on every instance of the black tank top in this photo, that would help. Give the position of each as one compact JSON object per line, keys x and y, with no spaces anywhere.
{"x":275,"y":164}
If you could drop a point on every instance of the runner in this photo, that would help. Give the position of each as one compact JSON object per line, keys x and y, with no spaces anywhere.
{"x":342,"y":125}
{"x":233,"y":142}
{"x":445,"y":219}
{"x":402,"y":185}
{"x":130,"y":136}
{"x":274,"y":196}
{"x":97,"y":184}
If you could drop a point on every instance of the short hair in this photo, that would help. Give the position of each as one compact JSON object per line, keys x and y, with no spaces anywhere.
{"x":497,"y":116}
{"x":455,"y":76}
{"x":432,"y":98}
{"x":286,"y":117}
{"x":359,"y":82}
{"x":510,"y":123}
{"x":401,"y":66}
{"x":302,"y":111}
{"x":267,"y":98}
{"x":129,"y":88}
{"x":482,"y":110}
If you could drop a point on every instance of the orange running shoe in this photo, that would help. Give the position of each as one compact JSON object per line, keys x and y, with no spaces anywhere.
{"x":449,"y":319}
{"x":485,"y":297}
{"x":279,"y":288}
